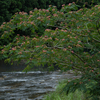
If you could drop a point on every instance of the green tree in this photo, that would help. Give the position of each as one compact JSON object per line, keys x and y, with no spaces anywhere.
{"x":70,"y":40}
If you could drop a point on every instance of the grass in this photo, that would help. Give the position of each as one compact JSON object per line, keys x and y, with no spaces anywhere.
{"x":78,"y":95}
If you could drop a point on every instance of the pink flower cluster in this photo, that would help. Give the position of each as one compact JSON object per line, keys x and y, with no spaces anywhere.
{"x":34,"y":38}
{"x":64,"y":49}
{"x":30,"y":12}
{"x":37,"y":46}
{"x":22,"y":13}
{"x":63,"y":39}
{"x":56,"y":39}
{"x":20,"y":52}
{"x":14,"y":48}
{"x":3,"y":51}
{"x":55,"y":15}
{"x":44,"y":51}
{"x":63,"y":5}
{"x":48,"y":30}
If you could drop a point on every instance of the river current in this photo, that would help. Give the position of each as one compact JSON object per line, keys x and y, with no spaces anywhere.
{"x":29,"y":86}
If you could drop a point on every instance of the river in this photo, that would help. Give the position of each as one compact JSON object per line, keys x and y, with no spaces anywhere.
{"x":29,"y":86}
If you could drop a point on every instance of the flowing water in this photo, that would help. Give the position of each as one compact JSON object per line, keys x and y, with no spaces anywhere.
{"x":29,"y":86}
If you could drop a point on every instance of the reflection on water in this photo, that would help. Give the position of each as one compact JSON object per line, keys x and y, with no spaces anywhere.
{"x":28,"y":86}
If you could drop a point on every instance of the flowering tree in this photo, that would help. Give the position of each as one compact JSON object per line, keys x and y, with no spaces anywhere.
{"x":70,"y":40}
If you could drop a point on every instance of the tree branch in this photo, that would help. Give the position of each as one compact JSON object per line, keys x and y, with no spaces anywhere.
{"x":96,"y":40}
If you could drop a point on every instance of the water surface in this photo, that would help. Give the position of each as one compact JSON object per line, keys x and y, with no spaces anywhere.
{"x":29,"y":86}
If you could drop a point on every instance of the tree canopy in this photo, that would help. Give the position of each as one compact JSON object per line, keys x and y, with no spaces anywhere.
{"x":69,"y":38}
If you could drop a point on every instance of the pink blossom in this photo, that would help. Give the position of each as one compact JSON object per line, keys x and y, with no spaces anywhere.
{"x":95,"y":5}
{"x":16,"y":13}
{"x":79,"y":41}
{"x":57,"y":28}
{"x":13,"y":48}
{"x":49,"y":5}
{"x":48,"y":30}
{"x":37,"y":46}
{"x":35,"y":8}
{"x":38,"y":17}
{"x":5,"y":31}
{"x":21,"y":22}
{"x":63,"y":39}
{"x":55,"y":15}
{"x":30,"y":12}
{"x":34,"y":38}
{"x":1,"y":26}
{"x":30,"y":16}
{"x":39,"y":9}
{"x":93,"y":13}
{"x":70,"y":12}
{"x":69,"y":47}
{"x":68,"y":35}
{"x":24,"y":24}
{"x":98,"y":7}
{"x":4,"y":22}
{"x":44,"y":51}
{"x":28,"y":42}
{"x":20,"y":12}
{"x":92,"y":70}
{"x":64,"y":49}
{"x":17,"y":41}
{"x":69,"y":4}
{"x":65,"y":30}
{"x":20,"y":52}
{"x":53,"y":51}
{"x":53,"y":9}
{"x":72,"y":51}
{"x":46,"y":36}
{"x":73,"y":2}
{"x":78,"y":45}
{"x":56,"y":39}
{"x":62,"y":30}
{"x":85,"y":63}
{"x":50,"y":37}
{"x":47,"y":10}
{"x":63,"y":5}
{"x":43,"y":10}
{"x":75,"y":37}
{"x":48,"y":16}
{"x":80,"y":82}
{"x":3,"y":50}
{"x":32,"y":22}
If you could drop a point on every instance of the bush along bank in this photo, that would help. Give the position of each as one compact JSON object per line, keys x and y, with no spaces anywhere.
{"x":59,"y":95}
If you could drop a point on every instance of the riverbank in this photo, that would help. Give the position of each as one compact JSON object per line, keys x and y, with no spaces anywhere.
{"x":59,"y":95}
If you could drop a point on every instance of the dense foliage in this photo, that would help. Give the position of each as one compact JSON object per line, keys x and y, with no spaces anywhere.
{"x":69,"y":39}
{"x":10,"y":7}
